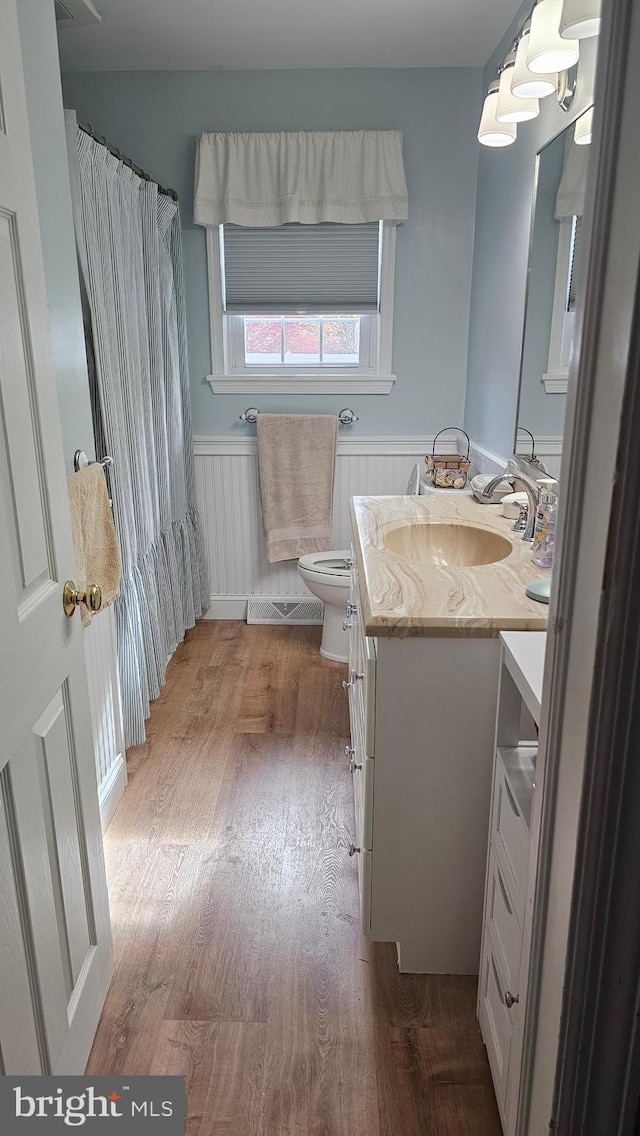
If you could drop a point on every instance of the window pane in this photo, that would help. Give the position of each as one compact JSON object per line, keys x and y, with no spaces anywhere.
{"x":341,"y":341}
{"x":301,"y":342}
{"x":263,"y":341}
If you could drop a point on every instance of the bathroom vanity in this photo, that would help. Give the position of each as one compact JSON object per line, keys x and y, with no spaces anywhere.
{"x":434,"y":582}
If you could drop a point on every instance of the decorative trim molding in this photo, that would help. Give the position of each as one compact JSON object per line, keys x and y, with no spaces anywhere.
{"x":555,"y":384}
{"x":375,"y":445}
{"x":310,"y":384}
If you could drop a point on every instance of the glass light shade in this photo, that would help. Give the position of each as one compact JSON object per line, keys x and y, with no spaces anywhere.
{"x":510,"y":108}
{"x":547,"y":51}
{"x":584,"y":129}
{"x":524,"y":85}
{"x":492,"y":132}
{"x":580,"y":19}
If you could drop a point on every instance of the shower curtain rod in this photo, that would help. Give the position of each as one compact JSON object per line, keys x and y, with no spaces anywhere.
{"x":88,"y":129}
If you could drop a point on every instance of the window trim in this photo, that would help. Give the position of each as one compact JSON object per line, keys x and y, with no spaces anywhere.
{"x":368,"y":345}
{"x":555,"y":380}
{"x":306,"y":380}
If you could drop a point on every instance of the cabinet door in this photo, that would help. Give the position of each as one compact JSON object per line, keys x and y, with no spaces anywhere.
{"x":495,"y":1021}
{"x":503,"y":924}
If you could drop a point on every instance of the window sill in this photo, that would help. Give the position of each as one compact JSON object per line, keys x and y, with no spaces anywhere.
{"x":297,"y":384}
{"x":555,"y":383}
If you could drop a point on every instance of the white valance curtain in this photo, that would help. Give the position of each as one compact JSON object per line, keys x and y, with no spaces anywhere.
{"x":262,"y":180}
{"x":571,"y":191}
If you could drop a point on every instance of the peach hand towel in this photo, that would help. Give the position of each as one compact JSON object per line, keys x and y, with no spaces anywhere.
{"x":95,"y":543}
{"x":296,"y":462}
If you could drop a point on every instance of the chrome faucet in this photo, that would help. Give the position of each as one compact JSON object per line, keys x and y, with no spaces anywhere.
{"x":530,"y":488}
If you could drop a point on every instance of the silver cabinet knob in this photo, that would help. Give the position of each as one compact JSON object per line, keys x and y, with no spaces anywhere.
{"x":353,"y":678}
{"x":347,"y":562}
{"x":352,"y":608}
{"x":346,"y":626}
{"x":510,"y":999}
{"x":349,"y":751}
{"x":353,"y":849}
{"x":353,"y":765}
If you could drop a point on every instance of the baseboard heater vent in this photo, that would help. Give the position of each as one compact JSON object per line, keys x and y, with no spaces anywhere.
{"x":279,"y":611}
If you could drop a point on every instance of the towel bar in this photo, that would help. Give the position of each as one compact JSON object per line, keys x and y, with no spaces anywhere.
{"x":346,"y":417}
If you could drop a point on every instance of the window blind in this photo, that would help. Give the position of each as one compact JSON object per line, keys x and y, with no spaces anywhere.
{"x":301,"y":268}
{"x":576,"y":247}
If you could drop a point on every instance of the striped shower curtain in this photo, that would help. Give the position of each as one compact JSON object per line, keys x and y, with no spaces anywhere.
{"x":130,"y":254}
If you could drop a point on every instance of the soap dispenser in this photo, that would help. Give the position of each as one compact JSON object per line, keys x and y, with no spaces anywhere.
{"x":545,"y":530}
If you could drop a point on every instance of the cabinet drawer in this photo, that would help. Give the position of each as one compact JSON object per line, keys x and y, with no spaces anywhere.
{"x":503,"y":924}
{"x":495,"y":1021}
{"x":511,"y":839}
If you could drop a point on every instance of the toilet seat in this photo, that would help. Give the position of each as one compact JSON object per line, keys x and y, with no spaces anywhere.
{"x":326,"y":564}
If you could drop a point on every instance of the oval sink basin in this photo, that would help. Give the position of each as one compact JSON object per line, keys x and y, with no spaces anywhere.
{"x":435,"y":545}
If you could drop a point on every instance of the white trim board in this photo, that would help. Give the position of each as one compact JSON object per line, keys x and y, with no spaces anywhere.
{"x":111,"y":790}
{"x":309,"y":384}
{"x":364,"y":444}
{"x":555,"y":383}
{"x":235,"y":607}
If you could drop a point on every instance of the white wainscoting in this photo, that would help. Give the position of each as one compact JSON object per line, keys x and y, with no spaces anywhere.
{"x":106,"y":714}
{"x":229,"y":503}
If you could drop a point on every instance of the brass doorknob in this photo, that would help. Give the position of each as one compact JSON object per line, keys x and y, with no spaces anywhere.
{"x":72,"y":598}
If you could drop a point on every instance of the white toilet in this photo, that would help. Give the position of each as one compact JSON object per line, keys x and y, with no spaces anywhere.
{"x":326,"y":575}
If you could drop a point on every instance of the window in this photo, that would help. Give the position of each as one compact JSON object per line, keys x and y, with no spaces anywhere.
{"x":564,"y":299}
{"x":301,"y":308}
{"x":292,"y":342}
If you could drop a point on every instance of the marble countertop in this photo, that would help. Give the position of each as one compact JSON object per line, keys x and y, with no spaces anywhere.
{"x":400,"y":596}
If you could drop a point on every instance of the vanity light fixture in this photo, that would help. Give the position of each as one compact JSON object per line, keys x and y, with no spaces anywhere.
{"x":547,"y":50}
{"x":492,"y":132}
{"x":512,"y":107}
{"x":580,"y":19}
{"x":543,"y":61}
{"x":584,"y":129}
{"x":525,"y":85}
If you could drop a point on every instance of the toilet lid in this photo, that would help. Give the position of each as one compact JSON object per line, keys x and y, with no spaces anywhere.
{"x":332,"y":563}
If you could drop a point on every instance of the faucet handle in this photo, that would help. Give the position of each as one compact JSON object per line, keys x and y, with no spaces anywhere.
{"x":520,"y":523}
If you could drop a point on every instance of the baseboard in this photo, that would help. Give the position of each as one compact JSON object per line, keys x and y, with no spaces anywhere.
{"x":235,"y":607}
{"x":110,"y":792}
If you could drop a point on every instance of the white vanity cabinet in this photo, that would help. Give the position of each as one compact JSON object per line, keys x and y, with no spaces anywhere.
{"x":510,"y":878}
{"x":422,"y":716}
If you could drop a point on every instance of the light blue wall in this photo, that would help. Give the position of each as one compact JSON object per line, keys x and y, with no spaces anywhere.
{"x":503,"y":222}
{"x":46,"y":126}
{"x":155,"y":118}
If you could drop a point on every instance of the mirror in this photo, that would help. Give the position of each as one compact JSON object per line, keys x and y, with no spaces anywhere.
{"x":554,"y":253}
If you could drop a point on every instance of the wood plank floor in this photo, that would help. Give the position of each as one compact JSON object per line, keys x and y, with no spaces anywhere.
{"x":239,"y":962}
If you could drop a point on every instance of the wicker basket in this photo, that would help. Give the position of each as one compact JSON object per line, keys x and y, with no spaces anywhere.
{"x":448,"y":471}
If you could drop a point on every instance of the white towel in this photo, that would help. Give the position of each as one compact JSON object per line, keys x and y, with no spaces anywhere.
{"x":297,"y":461}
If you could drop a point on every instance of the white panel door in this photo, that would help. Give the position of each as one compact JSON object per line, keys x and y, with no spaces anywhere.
{"x":55,"y":946}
